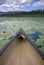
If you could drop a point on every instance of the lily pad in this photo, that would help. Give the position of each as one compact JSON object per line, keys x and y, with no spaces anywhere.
{"x":1,"y":38}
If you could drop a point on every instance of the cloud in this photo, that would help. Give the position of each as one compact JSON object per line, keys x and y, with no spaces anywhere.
{"x":39,"y":3}
{"x":11,"y":5}
{"x":41,"y":0}
{"x":25,"y":1}
{"x":8,"y":7}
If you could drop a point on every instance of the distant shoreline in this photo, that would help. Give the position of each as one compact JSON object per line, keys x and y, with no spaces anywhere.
{"x":23,"y":16}
{"x":38,"y":13}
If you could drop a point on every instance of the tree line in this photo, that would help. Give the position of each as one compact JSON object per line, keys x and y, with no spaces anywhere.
{"x":38,"y":13}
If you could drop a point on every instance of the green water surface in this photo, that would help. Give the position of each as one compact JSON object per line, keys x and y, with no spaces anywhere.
{"x":9,"y":27}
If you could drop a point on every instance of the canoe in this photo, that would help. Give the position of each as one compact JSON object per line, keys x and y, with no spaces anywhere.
{"x":21,"y":52}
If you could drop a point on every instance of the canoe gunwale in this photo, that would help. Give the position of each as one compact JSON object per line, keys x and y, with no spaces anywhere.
{"x":27,"y":37}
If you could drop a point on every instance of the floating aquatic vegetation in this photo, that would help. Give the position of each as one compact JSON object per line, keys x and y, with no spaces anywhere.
{"x":40,"y":42}
{"x":1,"y":38}
{"x":9,"y":27}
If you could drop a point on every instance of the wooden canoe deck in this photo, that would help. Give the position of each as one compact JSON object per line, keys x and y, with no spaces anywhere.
{"x":21,"y":53}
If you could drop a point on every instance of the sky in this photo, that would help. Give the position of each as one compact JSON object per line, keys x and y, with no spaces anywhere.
{"x":21,"y":5}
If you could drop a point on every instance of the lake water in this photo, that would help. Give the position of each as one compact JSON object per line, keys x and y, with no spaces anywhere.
{"x":11,"y":25}
{"x":29,"y":24}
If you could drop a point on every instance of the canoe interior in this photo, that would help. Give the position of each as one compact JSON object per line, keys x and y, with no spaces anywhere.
{"x":21,"y":52}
